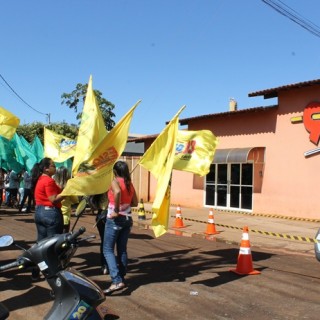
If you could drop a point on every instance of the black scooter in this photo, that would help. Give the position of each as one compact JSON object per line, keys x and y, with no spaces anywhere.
{"x":75,"y":296}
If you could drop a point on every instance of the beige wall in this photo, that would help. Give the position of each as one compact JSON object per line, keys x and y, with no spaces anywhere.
{"x":290,"y":185}
{"x":289,"y":182}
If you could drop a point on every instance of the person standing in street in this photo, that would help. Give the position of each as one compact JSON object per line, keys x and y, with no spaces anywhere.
{"x":48,"y":216}
{"x":122,"y":196}
{"x":99,"y":202}
{"x":14,"y":184}
{"x":2,"y":186}
{"x":27,"y":192}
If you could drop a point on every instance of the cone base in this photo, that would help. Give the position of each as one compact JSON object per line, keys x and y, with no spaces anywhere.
{"x":211,"y":229}
{"x":253,"y":272}
{"x":210,"y":233}
{"x":178,"y":224}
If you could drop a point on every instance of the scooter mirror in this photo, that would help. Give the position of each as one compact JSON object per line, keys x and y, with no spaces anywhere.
{"x":6,"y":241}
{"x":80,"y":208}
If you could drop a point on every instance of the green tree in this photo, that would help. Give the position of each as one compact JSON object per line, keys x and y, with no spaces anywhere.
{"x":78,"y":95}
{"x":29,"y":131}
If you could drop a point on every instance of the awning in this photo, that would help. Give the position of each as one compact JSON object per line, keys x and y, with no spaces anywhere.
{"x":239,"y":155}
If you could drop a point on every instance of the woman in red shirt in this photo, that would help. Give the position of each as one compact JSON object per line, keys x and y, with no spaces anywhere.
{"x":48,"y":216}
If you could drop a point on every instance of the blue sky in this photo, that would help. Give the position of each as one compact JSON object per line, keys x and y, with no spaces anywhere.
{"x":168,"y":53}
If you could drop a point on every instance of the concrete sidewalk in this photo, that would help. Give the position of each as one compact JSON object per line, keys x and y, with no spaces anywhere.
{"x":292,"y":235}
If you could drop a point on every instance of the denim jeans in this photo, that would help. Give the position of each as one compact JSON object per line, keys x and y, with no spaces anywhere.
{"x":116,"y":234}
{"x":49,"y":221}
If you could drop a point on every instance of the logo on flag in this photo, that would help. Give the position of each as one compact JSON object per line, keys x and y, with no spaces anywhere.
{"x":66,"y":145}
{"x":184,"y":150}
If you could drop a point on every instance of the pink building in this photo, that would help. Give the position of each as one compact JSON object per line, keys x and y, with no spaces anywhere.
{"x":266,"y":160}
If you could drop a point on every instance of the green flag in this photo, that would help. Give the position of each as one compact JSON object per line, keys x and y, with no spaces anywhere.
{"x":8,"y":156}
{"x":37,"y":148}
{"x":24,"y":153}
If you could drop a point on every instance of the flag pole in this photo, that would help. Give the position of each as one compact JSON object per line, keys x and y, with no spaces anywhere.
{"x":134,"y":168}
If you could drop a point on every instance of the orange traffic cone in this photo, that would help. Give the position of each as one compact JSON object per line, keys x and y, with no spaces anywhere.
{"x":244,"y":265}
{"x":141,"y":212}
{"x":211,"y":227}
{"x":178,"y":222}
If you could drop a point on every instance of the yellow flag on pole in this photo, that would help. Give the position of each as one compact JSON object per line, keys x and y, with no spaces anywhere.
{"x":8,"y":123}
{"x":158,"y":159}
{"x":195,"y":151}
{"x":92,"y":129}
{"x":96,"y":173}
{"x":58,"y":147}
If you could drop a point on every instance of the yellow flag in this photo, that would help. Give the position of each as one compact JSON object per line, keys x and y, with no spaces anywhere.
{"x":95,"y":174}
{"x":8,"y":123}
{"x":158,"y":159}
{"x":195,"y":151}
{"x":92,"y":129}
{"x":161,"y":210}
{"x":58,"y":147}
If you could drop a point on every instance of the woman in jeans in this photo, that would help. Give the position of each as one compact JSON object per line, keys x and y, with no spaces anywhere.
{"x":48,"y":216}
{"x":122,"y":196}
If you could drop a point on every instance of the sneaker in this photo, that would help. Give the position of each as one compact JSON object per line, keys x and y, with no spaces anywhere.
{"x":114,"y":287}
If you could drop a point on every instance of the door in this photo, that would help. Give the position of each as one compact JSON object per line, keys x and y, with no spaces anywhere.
{"x":230,"y":186}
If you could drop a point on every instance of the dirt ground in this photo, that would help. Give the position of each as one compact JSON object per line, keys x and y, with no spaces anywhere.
{"x":173,"y":277}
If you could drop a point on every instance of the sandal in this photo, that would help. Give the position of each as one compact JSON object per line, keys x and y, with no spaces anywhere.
{"x":114,"y":287}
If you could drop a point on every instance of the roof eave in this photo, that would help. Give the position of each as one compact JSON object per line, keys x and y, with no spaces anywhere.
{"x":273,"y":92}
{"x":228,"y":113}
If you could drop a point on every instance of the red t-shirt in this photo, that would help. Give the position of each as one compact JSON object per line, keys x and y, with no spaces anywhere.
{"x":45,"y":188}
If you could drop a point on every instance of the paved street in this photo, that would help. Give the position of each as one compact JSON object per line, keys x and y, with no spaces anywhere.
{"x":178,"y":277}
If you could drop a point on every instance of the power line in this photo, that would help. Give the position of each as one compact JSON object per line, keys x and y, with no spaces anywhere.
{"x":6,"y":82}
{"x":294,"y":16}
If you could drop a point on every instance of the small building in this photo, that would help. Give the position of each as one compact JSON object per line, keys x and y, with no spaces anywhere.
{"x":133,"y":149}
{"x":266,"y":160}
